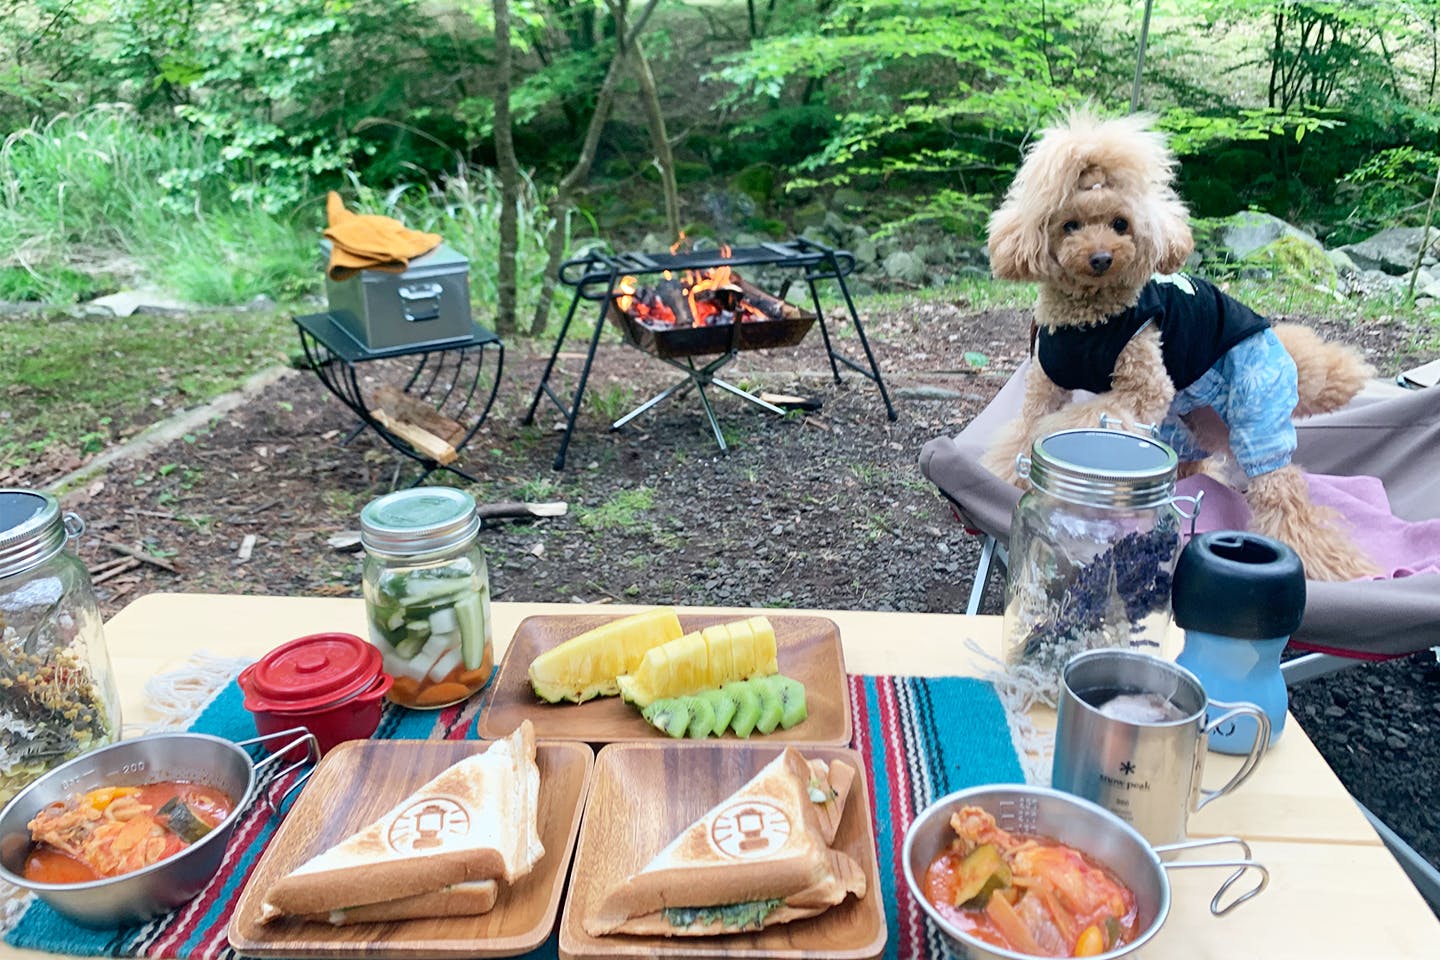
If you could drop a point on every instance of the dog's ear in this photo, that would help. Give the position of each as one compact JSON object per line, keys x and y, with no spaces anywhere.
{"x":1173,"y":240}
{"x":1016,"y":246}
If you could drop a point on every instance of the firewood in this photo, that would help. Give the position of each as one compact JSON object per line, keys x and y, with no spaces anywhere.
{"x":122,"y":565}
{"x":421,"y":439}
{"x":497,"y":511}
{"x":149,"y":558}
{"x":402,"y":406}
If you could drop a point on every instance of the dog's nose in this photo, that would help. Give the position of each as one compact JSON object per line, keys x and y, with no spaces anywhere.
{"x":1100,"y":262}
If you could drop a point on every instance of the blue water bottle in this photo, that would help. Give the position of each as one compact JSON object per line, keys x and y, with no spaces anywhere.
{"x":1238,"y":596}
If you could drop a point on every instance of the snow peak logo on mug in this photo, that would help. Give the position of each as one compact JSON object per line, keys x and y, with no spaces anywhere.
{"x":1123,"y":712}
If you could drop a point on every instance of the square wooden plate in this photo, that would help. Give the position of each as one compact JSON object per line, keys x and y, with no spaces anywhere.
{"x":358,"y":782}
{"x":643,"y":794}
{"x":808,"y":649}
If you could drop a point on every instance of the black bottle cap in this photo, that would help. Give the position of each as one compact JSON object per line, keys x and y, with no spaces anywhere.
{"x":1237,"y":584}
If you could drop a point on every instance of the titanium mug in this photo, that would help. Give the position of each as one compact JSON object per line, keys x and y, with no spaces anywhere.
{"x":1131,"y":737}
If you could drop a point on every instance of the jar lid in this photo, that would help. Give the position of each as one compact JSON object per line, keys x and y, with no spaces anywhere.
{"x":421,"y":520}
{"x":1237,"y":584}
{"x":31,"y":529}
{"x":311,"y":673}
{"x":1104,"y":468}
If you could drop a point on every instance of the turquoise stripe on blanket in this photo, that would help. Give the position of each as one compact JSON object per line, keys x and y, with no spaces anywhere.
{"x":920,"y":739}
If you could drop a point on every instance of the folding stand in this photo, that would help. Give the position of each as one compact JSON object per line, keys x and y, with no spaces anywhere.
{"x":595,"y":277}
{"x":446,"y":376}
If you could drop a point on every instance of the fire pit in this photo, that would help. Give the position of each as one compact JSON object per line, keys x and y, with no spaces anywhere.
{"x":679,"y":305}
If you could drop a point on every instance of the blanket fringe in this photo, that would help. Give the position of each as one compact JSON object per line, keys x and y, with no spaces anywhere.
{"x":1020,"y":688}
{"x":181,"y":694}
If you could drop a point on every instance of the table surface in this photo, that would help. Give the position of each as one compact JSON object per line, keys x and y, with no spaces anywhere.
{"x":1334,"y":891}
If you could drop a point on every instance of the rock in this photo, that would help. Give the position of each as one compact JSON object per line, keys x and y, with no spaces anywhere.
{"x":1341,"y":261}
{"x":1392,"y":251}
{"x":1247,"y":232}
{"x":865,"y":251}
{"x":128,"y":302}
{"x":901,"y":265}
{"x":810,"y":215}
{"x":347,"y":541}
{"x":849,"y":198}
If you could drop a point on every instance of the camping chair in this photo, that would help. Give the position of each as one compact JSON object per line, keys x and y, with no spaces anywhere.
{"x":1395,"y":437}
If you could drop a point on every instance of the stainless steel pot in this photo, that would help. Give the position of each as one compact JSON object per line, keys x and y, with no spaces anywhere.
{"x":147,"y":893}
{"x":1082,"y":825}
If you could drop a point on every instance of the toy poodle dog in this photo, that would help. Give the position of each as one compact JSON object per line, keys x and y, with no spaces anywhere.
{"x":1093,"y":217}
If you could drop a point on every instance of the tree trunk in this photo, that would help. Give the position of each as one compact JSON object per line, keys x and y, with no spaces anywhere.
{"x":659,"y":139}
{"x":506,"y":319}
{"x":565,"y":192}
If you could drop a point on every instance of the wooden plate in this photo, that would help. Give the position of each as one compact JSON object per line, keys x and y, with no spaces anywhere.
{"x":685,"y":780}
{"x":808,"y":649}
{"x":358,"y":782}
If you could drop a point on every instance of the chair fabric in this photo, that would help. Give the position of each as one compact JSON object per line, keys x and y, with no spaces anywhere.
{"x":1395,"y":438}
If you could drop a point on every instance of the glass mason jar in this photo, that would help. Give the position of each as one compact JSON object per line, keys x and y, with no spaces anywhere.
{"x":57,"y":694}
{"x":427,"y":594}
{"x":1093,"y":545}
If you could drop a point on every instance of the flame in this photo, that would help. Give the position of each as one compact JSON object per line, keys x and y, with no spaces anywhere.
{"x":675,"y":247}
{"x":625,"y":299}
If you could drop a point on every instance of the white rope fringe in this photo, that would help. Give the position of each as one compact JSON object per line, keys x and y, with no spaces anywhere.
{"x":179,"y":695}
{"x":1020,"y":688}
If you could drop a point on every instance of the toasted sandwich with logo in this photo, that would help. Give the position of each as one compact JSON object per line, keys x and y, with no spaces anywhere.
{"x":442,"y":851}
{"x":760,"y":857}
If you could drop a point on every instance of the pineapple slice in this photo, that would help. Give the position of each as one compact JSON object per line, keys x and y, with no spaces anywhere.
{"x":720,"y":645}
{"x":703,"y":661}
{"x":586,"y":666}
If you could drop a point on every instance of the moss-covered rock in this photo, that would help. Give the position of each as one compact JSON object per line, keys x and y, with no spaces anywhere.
{"x":1291,"y":258}
{"x":756,"y":181}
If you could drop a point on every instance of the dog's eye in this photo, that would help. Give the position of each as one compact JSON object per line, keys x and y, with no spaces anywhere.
{"x":1070,"y":226}
{"x":1120,"y":225}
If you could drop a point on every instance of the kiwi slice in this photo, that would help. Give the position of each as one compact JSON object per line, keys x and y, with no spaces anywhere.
{"x":792,"y":700}
{"x":670,"y":715}
{"x":747,"y":706}
{"x":771,"y":704}
{"x":702,"y":717}
{"x":725,"y":706}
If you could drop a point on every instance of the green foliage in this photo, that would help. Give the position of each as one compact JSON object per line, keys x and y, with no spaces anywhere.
{"x":622,"y":510}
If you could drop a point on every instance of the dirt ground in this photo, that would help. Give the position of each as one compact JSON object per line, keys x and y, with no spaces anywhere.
{"x":822,"y":510}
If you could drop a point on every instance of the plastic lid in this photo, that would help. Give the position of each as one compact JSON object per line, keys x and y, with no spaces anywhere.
{"x":311,"y":673}
{"x":1240,"y":585}
{"x":31,"y":529}
{"x":421,"y":520}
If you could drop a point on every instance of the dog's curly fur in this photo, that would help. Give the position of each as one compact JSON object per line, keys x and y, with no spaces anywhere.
{"x":1091,"y":215}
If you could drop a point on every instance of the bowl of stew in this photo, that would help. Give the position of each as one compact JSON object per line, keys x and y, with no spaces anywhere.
{"x":1009,"y":872}
{"x":131,"y":831}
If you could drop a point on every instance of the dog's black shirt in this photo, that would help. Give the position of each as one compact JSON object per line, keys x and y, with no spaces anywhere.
{"x":1198,"y":324}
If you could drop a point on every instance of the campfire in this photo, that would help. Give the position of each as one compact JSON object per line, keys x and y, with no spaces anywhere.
{"x":698,"y":304}
{"x":699,"y":298}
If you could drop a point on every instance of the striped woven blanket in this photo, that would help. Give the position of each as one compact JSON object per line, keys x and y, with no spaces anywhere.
{"x":920,"y":737}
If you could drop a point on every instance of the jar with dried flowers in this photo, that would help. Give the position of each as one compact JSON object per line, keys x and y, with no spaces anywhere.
{"x":57,"y":694}
{"x":1093,"y":545}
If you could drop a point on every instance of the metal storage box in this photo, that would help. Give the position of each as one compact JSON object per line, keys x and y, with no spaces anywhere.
{"x":428,"y":303}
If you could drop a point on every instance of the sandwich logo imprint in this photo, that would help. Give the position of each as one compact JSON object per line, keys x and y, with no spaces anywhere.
{"x":749,"y":829}
{"x":425,"y":824}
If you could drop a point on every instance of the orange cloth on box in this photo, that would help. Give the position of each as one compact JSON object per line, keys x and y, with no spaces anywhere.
{"x":368,"y":242}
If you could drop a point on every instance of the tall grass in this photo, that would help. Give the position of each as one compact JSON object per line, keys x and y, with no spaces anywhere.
{"x":99,"y":200}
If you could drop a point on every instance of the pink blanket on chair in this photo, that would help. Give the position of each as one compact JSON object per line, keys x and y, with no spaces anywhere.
{"x":1402,"y":548}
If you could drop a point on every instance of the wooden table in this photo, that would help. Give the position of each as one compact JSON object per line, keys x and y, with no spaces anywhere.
{"x":1335,"y":891}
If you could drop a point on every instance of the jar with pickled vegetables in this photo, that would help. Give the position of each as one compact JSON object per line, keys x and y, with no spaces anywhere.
{"x":427,"y":594}
{"x":57,"y":694}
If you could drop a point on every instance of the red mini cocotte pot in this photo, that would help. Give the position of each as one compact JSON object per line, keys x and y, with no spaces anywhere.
{"x":330,"y":683}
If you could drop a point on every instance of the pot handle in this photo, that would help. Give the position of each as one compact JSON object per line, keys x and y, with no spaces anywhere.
{"x":298,"y":736}
{"x":1243,"y":865}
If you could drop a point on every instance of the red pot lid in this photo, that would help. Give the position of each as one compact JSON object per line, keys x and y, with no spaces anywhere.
{"x":310,"y":673}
